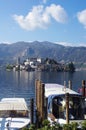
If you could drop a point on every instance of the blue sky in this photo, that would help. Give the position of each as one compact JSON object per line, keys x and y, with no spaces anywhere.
{"x":59,"y":21}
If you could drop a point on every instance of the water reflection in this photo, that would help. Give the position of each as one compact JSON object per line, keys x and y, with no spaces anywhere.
{"x":22,"y":84}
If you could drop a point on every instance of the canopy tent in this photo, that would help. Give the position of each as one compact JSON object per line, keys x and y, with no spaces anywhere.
{"x":13,"y":104}
{"x":57,"y":90}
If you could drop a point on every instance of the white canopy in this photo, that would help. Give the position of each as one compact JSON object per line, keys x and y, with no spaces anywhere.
{"x":57,"y":89}
{"x":13,"y":104}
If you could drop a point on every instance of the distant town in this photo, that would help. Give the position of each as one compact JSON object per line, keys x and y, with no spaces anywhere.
{"x":40,"y":64}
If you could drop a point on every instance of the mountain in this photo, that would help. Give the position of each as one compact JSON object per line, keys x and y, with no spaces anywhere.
{"x":11,"y":52}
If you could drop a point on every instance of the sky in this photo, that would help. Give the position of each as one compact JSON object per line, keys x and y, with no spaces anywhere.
{"x":58,"y":21}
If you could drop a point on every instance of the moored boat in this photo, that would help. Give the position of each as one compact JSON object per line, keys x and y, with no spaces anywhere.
{"x":14,"y":114}
{"x":57,"y":104}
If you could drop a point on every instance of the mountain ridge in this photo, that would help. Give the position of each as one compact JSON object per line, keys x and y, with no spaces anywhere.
{"x":22,"y":49}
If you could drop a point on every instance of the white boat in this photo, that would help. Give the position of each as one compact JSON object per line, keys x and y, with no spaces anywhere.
{"x":14,"y":114}
{"x":56,"y":106}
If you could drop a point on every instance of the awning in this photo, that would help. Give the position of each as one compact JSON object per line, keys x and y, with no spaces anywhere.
{"x":13,"y":104}
{"x":57,"y":89}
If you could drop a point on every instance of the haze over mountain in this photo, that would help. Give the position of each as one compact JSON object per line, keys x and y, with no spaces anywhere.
{"x":10,"y":52}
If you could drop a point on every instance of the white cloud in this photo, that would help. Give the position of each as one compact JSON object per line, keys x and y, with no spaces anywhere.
{"x":57,"y":12}
{"x":82,"y":17}
{"x":40,"y":17}
{"x":5,"y":42}
{"x":65,"y":43}
{"x":71,"y":44}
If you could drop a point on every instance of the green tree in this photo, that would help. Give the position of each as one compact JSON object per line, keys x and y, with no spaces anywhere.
{"x":10,"y":67}
{"x":74,"y":125}
{"x":83,"y":125}
{"x":70,"y":67}
{"x":67,"y":127}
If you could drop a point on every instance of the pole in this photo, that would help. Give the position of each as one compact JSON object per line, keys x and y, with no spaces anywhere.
{"x":70,"y":84}
{"x":42,"y":100}
{"x":67,"y":107}
{"x":32,"y":110}
{"x":83,"y":88}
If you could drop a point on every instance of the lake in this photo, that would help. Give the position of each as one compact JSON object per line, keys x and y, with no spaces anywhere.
{"x":22,"y":84}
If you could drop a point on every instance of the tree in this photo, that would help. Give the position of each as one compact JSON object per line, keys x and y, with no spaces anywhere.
{"x":83,"y":124}
{"x":70,"y":67}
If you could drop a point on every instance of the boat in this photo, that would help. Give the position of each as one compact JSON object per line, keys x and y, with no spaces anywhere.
{"x":57,"y":104}
{"x":14,"y":114}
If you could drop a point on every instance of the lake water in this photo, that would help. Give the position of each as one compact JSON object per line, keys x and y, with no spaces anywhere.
{"x":22,"y":84}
